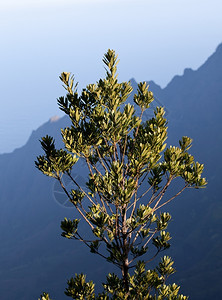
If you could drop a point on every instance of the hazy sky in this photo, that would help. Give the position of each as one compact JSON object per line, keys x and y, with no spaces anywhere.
{"x":155,"y":39}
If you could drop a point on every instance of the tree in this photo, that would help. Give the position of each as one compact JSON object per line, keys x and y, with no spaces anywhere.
{"x":130,"y":174}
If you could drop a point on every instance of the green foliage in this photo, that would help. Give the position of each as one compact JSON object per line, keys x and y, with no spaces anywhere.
{"x":69,"y":228}
{"x":78,"y":288}
{"x":54,"y":162}
{"x":45,"y":296}
{"x":130,"y":173}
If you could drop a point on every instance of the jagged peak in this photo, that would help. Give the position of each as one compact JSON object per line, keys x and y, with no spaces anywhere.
{"x":132,"y":80}
{"x":54,"y":119}
{"x":187,"y":71}
{"x":213,"y":62}
{"x":150,"y":82}
{"x":219,"y":48}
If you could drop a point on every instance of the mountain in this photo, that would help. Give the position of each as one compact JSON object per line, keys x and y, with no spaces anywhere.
{"x":33,"y":255}
{"x":194,"y":104}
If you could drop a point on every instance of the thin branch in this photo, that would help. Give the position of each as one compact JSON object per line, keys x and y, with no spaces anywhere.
{"x":147,"y":242}
{"x":81,"y":213}
{"x":141,"y":182}
{"x":101,"y":197}
{"x":158,"y":251}
{"x":116,"y":151}
{"x":117,"y":232}
{"x":96,"y":251}
{"x":81,"y":189}
{"x":187,"y":185}
{"x":101,"y":160}
{"x":107,"y":145}
{"x":89,"y":167}
{"x":134,"y":204}
{"x":140,"y":197}
{"x":137,"y":130}
{"x":124,"y":149}
{"x":162,"y":192}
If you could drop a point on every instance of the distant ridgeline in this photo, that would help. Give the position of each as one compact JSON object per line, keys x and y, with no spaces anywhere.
{"x":34,"y":257}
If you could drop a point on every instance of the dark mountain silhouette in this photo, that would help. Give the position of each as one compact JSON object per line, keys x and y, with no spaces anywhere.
{"x":194,"y":103}
{"x":35,"y":258}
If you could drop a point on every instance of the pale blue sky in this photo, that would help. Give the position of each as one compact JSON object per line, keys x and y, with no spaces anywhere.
{"x":41,"y":38}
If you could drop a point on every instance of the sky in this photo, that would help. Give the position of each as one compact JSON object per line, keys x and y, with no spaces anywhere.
{"x":154,"y":39}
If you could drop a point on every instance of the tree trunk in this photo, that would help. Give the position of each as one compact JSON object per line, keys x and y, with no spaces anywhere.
{"x":125,"y":271}
{"x":125,"y":266}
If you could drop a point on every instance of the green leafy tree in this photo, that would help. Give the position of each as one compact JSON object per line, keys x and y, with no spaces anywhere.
{"x":130,"y":174}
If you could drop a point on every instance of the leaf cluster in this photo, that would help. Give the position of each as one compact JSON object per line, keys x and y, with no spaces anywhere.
{"x":130,"y":174}
{"x":143,"y":284}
